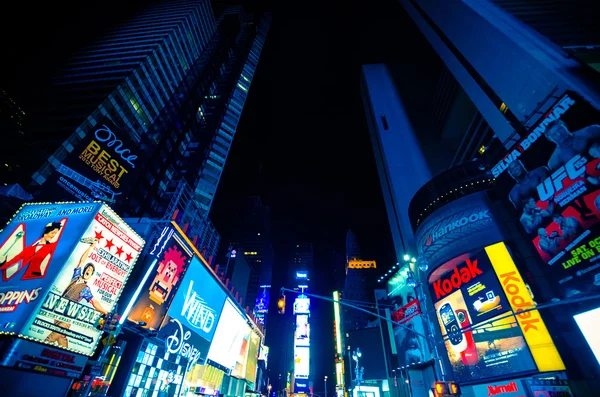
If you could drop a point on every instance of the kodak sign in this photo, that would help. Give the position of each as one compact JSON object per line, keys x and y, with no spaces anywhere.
{"x":463,"y":274}
{"x":534,"y":329}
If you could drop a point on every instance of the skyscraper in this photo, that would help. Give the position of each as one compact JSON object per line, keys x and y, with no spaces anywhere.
{"x":145,"y":117}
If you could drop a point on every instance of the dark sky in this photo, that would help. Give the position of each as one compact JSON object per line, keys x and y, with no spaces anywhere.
{"x":303,"y":125}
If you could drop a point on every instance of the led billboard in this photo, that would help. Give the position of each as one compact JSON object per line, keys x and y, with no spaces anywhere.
{"x":474,"y":296}
{"x":173,"y":258}
{"x":588,"y":324}
{"x":302,"y":334}
{"x":98,"y":168}
{"x":198,"y":301}
{"x":302,"y":305}
{"x":231,"y":331}
{"x":301,"y":362}
{"x":89,"y":283}
{"x":552,"y":178}
{"x":34,"y":246}
{"x":261,"y":307}
{"x":251,"y":365}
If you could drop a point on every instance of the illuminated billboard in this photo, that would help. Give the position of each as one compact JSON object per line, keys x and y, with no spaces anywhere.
{"x":301,"y":362}
{"x":231,"y":333}
{"x":552,"y":178}
{"x":34,"y":246}
{"x":588,"y":324}
{"x":302,"y":305}
{"x":301,"y":275}
{"x":411,"y":347}
{"x":474,"y":296}
{"x":173,"y":257}
{"x":89,"y":283}
{"x":302,"y":334}
{"x":198,"y":301}
{"x":99,"y":168}
{"x":261,"y":307}
{"x":252,"y":362}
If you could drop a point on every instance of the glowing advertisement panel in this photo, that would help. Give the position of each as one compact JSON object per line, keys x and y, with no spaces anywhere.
{"x":474,"y":296}
{"x":89,"y":283}
{"x":466,"y":293}
{"x":198,"y":301}
{"x":301,"y":362}
{"x":552,"y":178}
{"x":252,"y":362}
{"x":99,"y":168}
{"x":588,"y":324}
{"x":34,"y":246}
{"x":302,"y":305}
{"x":241,"y":362}
{"x":173,"y":258}
{"x":302,"y":334}
{"x":231,"y":332}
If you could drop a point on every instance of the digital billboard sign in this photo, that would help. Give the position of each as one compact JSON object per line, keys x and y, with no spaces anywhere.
{"x":253,"y":349}
{"x":34,"y":246}
{"x":302,"y":334}
{"x":231,"y":332}
{"x":173,"y":257}
{"x":411,"y":347}
{"x":99,"y":168}
{"x":302,"y":305}
{"x":88,"y":284}
{"x":474,"y":296}
{"x":552,"y":178}
{"x":198,"y":301}
{"x":301,"y":362}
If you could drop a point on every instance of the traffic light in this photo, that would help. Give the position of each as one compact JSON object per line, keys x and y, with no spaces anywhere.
{"x":281,"y":304}
{"x":101,"y":322}
{"x":446,"y":389}
{"x":112,"y":323}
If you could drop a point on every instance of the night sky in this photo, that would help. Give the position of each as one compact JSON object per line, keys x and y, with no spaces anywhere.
{"x":302,"y":144}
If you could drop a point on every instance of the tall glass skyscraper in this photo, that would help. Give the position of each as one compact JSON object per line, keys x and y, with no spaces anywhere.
{"x":145,"y":117}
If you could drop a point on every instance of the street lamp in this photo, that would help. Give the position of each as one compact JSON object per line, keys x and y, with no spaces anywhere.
{"x":269,"y":391}
{"x":325,"y":385}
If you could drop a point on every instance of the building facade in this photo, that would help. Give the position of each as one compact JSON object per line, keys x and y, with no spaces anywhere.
{"x":145,"y":117}
{"x":495,"y":100}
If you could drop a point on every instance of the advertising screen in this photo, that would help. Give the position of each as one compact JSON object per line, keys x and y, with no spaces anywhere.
{"x":239,"y":370}
{"x":252,"y":357}
{"x":261,"y":307}
{"x":198,"y":301}
{"x":89,"y":283}
{"x":588,"y":324}
{"x":173,"y":258}
{"x":467,"y":293}
{"x":232,"y":330}
{"x":302,"y":335}
{"x":552,"y":178}
{"x":99,"y":168}
{"x":181,"y":341}
{"x":34,"y":246}
{"x":474,"y":296}
{"x":302,"y":305}
{"x":411,"y":347}
{"x":301,"y":362}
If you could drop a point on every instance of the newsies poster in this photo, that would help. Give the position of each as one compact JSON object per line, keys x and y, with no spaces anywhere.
{"x":89,"y":281}
{"x":552,"y":178}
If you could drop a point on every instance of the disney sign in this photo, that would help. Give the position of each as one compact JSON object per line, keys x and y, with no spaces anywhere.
{"x":177,"y":343}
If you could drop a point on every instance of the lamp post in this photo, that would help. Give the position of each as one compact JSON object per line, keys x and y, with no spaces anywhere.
{"x":356,"y":355}
{"x":269,"y":391}
{"x":325,"y":385}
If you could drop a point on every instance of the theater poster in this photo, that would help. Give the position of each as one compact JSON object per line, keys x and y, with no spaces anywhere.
{"x":552,"y":178}
{"x":99,"y":167}
{"x":88,"y":285}
{"x":34,"y":246}
{"x":472,"y":308}
{"x":173,"y":257}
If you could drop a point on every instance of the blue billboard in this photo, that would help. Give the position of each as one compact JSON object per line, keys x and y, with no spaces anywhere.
{"x":199,"y":301}
{"x":34,"y":247}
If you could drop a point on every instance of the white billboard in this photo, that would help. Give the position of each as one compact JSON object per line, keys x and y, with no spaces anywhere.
{"x":302,"y":305}
{"x":301,"y":362}
{"x":302,"y":335}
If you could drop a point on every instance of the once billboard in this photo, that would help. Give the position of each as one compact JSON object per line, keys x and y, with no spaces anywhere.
{"x":34,"y":247}
{"x":552,"y":178}
{"x":173,"y":257}
{"x":98,"y":169}
{"x":89,"y":283}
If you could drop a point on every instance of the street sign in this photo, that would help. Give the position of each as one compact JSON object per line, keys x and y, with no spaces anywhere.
{"x":110,"y":340}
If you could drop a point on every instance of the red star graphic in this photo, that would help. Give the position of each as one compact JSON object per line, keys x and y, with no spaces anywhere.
{"x":128,"y":257}
{"x":109,"y":244}
{"x":119,"y":251}
{"x":99,"y":235}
